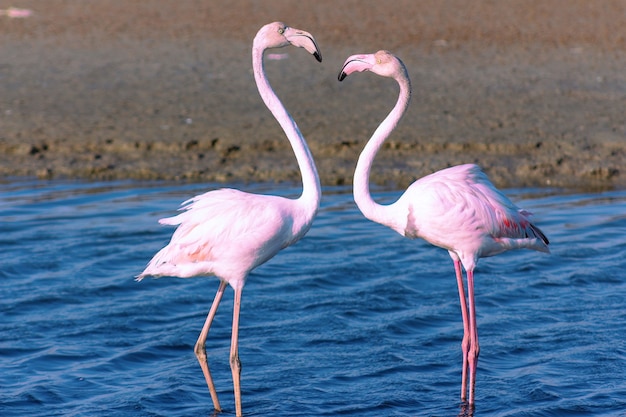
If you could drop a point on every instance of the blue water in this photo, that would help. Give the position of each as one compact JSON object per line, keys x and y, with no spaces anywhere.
{"x":352,"y":320}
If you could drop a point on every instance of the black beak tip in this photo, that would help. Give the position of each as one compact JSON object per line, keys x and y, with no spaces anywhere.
{"x":318,"y":56}
{"x":341,"y":76}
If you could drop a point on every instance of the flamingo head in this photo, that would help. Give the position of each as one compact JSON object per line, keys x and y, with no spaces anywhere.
{"x":383,"y":63}
{"x":278,"y":35}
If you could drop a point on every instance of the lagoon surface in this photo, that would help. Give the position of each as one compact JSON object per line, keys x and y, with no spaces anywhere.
{"x":352,"y":320}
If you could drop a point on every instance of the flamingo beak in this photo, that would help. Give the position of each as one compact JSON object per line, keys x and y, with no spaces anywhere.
{"x":303,"y":39}
{"x":357,"y":63}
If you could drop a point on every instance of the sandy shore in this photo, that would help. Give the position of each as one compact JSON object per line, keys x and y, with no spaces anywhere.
{"x":533,"y":91}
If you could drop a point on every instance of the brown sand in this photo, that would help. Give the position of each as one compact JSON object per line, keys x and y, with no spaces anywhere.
{"x":533,"y":91}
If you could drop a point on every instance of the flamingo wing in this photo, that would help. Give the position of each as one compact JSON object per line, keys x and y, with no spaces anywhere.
{"x":224,"y":232}
{"x":460,"y":207}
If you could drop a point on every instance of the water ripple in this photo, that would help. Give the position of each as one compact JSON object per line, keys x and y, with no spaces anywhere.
{"x":353,"y":320}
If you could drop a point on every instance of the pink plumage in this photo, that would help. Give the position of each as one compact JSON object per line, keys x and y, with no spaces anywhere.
{"x":228,"y":233}
{"x":457,"y":209}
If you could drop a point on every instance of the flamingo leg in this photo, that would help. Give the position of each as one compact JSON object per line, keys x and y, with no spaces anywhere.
{"x":200,"y":348}
{"x":235,"y":363}
{"x":474,"y":346}
{"x":465,"y":344}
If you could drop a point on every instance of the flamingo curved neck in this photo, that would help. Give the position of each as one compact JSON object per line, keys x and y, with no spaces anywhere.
{"x":370,"y":209}
{"x":311,"y":188}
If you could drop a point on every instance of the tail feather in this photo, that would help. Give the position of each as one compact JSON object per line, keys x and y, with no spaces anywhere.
{"x":538,"y":233}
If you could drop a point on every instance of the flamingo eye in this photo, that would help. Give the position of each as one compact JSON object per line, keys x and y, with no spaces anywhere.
{"x":281,"y":30}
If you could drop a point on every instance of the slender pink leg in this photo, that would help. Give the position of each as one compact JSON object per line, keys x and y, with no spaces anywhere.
{"x":465,"y":344}
{"x":200,"y":348}
{"x":235,"y":363}
{"x":474,"y":347}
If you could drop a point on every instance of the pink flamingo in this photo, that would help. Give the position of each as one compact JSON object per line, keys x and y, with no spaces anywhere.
{"x":227,"y":232}
{"x":457,"y":208}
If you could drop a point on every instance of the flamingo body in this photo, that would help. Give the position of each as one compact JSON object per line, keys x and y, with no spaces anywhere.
{"x":460,"y":210}
{"x":457,"y":209}
{"x":227,"y":232}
